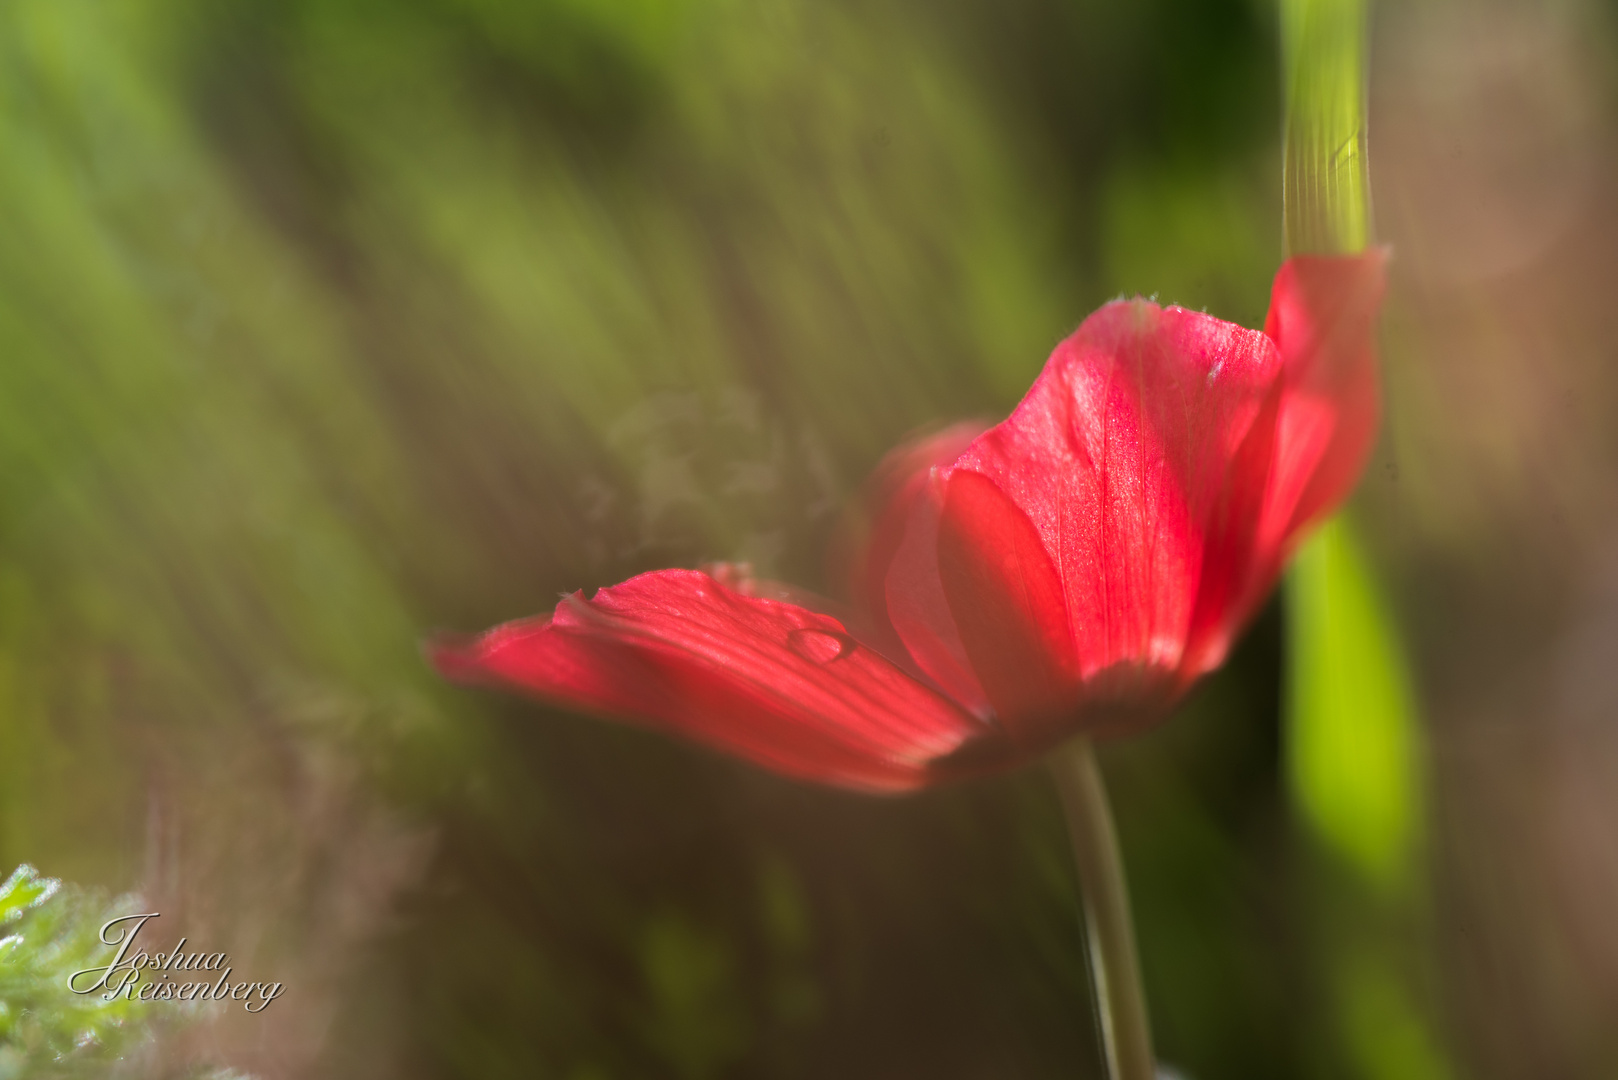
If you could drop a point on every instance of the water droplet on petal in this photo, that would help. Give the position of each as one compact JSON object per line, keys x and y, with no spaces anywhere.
{"x":821,"y":646}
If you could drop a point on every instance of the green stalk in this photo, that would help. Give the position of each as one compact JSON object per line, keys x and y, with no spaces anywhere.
{"x":1126,"y":1034}
{"x":1354,"y":741}
{"x":1326,"y":186}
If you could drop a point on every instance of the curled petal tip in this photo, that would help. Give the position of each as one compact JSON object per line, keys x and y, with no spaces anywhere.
{"x":471,"y":658}
{"x":452,"y":655}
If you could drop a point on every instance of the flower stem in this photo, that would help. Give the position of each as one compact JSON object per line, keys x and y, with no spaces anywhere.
{"x":1114,"y":968}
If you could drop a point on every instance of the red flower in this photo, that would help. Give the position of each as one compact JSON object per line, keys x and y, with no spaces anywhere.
{"x":1072,"y":569}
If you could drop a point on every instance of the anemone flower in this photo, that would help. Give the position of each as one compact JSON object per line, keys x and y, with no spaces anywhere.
{"x":1072,"y":570}
{"x":1069,"y":572}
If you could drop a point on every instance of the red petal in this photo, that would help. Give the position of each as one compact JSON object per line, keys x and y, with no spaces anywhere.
{"x":1129,"y":454}
{"x":1323,"y":318}
{"x":1006,"y":598}
{"x":918,"y":608}
{"x":890,"y":497}
{"x":768,"y":681}
{"x":1235,"y":576}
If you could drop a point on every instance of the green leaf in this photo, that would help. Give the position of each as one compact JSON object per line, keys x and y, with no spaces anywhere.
{"x":1353,"y":743}
{"x":45,"y":1028}
{"x":22,"y":890}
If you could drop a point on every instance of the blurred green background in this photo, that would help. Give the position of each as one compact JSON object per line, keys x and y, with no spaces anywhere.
{"x":325,"y":324}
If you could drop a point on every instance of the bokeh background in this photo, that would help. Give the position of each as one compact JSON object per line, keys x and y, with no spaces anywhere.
{"x":326,"y":324}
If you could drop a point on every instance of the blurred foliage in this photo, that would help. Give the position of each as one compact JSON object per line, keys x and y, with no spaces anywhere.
{"x":45,"y":1028}
{"x":330,"y":322}
{"x":49,"y":932}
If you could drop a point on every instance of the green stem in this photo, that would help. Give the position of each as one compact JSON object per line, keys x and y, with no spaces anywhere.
{"x":1325,"y":183}
{"x":1114,"y":968}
